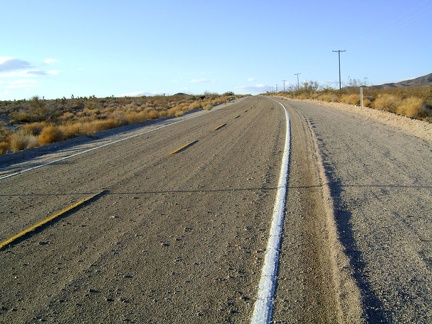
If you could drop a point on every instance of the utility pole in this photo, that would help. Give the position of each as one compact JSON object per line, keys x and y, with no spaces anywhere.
{"x":276,"y":87}
{"x":284,"y":84}
{"x":340,"y":82}
{"x":298,"y":83}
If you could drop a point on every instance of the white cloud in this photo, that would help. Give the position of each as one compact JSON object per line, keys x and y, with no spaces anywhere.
{"x":4,"y":59}
{"x":20,"y":84}
{"x":11,"y":64}
{"x":202,"y":81}
{"x":13,"y":74}
{"x":35,"y":72}
{"x":259,"y":88}
{"x":251,"y":79}
{"x":28,"y":73}
{"x":49,"y":61}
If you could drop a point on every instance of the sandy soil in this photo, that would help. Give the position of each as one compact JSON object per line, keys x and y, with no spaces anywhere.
{"x":418,"y":128}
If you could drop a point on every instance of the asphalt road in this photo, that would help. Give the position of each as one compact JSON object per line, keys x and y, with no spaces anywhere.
{"x":181,"y":237}
{"x":173,"y":238}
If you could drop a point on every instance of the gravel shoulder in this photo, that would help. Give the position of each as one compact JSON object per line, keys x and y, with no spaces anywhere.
{"x":379,"y":173}
{"x":315,"y":283}
{"x":409,"y":126}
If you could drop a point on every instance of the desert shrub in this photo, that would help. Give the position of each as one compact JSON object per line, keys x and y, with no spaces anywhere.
{"x":22,"y":140}
{"x":328,"y":97}
{"x":387,"y":102}
{"x":66,"y":116}
{"x":138,"y":117}
{"x":119,"y":117}
{"x":194,"y":105}
{"x":100,"y":125}
{"x":50,"y":134}
{"x":352,"y":99}
{"x":34,"y":128}
{"x":411,"y":107}
{"x":208,"y":107}
{"x":4,"y":147}
{"x":153,"y":113}
{"x":179,"y":113}
{"x":367,"y":102}
{"x":71,"y":130}
{"x":173,"y":111}
{"x":133,"y":117}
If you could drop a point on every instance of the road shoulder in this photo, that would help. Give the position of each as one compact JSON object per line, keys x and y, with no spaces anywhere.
{"x":315,"y":281}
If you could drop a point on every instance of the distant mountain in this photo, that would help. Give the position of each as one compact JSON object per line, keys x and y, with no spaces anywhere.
{"x":423,"y":81}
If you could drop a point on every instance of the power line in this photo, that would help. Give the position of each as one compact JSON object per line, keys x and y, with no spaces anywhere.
{"x":340,"y":81}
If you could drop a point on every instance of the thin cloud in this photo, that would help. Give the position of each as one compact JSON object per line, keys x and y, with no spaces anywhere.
{"x":20,"y":84}
{"x":35,"y":73}
{"x":49,"y":61}
{"x":13,"y":64}
{"x":203,"y":81}
{"x":259,"y":88}
{"x":252,"y":79}
{"x":11,"y":67}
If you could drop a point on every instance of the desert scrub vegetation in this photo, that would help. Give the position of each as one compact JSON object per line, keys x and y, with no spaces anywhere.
{"x":412,"y":102}
{"x":35,"y":122}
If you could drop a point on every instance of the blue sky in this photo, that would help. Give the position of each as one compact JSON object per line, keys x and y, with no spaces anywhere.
{"x":56,"y":48}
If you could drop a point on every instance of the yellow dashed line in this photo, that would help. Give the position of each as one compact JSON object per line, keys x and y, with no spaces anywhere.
{"x":49,"y":219}
{"x":237,"y":116}
{"x":181,"y":148}
{"x":219,"y":127}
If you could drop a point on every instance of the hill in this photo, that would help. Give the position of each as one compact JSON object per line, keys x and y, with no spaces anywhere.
{"x":423,"y":81}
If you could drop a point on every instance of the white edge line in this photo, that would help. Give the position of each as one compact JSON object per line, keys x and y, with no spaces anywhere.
{"x":263,"y":308}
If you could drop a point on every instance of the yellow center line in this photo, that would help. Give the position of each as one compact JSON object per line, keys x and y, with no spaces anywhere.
{"x":49,"y":219}
{"x":237,"y":116}
{"x":181,"y":148}
{"x":219,"y":127}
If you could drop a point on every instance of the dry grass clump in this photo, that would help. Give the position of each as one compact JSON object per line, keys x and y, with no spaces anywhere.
{"x":412,"y":107}
{"x":22,"y":140}
{"x":352,"y":99}
{"x":34,"y":128}
{"x":175,"y":110}
{"x":50,"y":134}
{"x":413,"y":102}
{"x":387,"y":102}
{"x":4,"y":147}
{"x":35,"y":122}
{"x":328,"y":97}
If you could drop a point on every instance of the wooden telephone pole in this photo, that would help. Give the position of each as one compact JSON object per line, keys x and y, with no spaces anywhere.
{"x":340,"y":81}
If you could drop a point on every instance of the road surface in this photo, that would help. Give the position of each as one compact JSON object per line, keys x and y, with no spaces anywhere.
{"x":181,"y":236}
